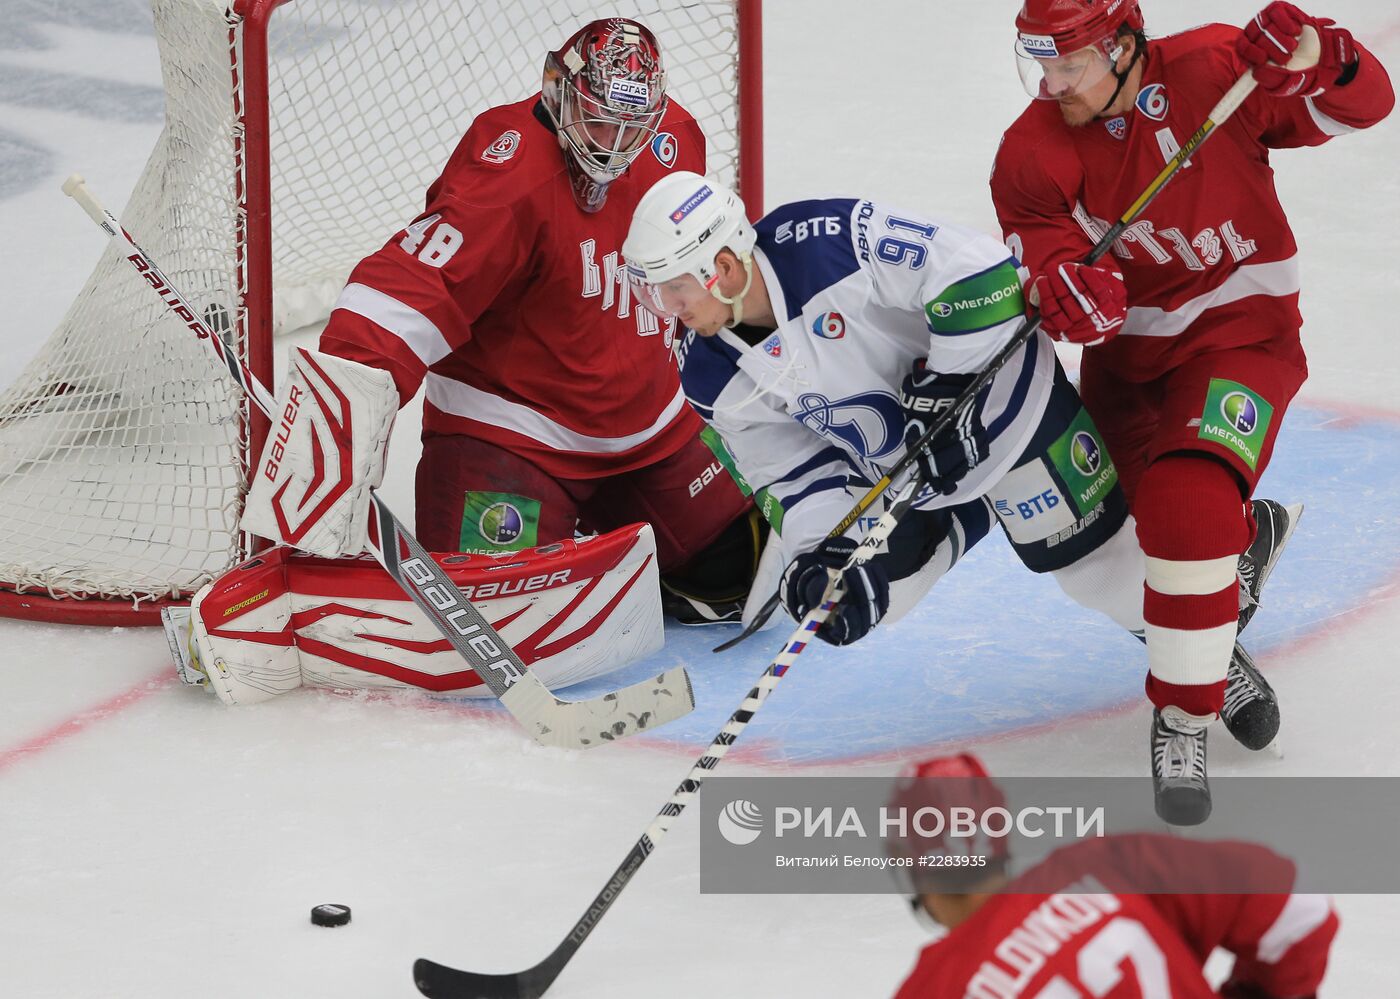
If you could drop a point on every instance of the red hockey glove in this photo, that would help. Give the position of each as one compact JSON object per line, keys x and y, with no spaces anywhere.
{"x":1270,"y":39}
{"x":1082,"y":303}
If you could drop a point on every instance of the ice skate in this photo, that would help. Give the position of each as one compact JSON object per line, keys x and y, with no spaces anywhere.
{"x":1178,"y":742}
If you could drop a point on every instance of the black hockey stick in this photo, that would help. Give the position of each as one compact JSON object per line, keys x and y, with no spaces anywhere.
{"x":440,"y":982}
{"x":552,"y":722}
{"x":1306,"y":55}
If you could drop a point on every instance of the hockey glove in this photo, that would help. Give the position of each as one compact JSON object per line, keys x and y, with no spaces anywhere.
{"x":925,"y":396}
{"x":866,"y":597}
{"x":1081,"y":303}
{"x":1268,"y":43}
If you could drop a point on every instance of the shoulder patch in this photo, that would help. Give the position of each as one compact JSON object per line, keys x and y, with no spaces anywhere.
{"x":507,"y":144}
{"x":978,"y":302}
{"x":1152,"y":101}
{"x":809,"y":246}
{"x":665,"y":147}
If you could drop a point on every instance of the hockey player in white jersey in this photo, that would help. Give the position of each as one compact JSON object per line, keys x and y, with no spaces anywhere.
{"x":830,"y":332}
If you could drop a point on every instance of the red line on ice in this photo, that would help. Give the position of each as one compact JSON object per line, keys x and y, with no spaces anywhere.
{"x":81,"y":720}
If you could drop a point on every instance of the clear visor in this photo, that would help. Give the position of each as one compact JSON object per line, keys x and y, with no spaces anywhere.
{"x":675,"y":298}
{"x":606,"y":140}
{"x":1058,"y":77}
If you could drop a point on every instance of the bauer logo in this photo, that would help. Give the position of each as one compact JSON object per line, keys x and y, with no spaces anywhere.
{"x":1152,"y":101}
{"x":829,"y":326}
{"x":1240,"y":412}
{"x":691,"y":203}
{"x":501,"y":524}
{"x":740,"y":822}
{"x":503,"y":148}
{"x":1040,"y":46}
{"x":1085,"y":453}
{"x":629,"y":93}
{"x":664,"y":148}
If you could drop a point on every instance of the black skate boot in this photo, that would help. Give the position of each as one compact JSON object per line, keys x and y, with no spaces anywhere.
{"x":1275,"y":526}
{"x":1178,"y":743}
{"x":1251,"y":707}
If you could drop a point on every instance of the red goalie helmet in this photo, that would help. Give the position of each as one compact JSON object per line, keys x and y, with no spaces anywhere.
{"x":605,"y":92}
{"x":1050,"y":28}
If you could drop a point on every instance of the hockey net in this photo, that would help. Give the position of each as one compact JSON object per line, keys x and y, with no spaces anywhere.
{"x":299,"y":136}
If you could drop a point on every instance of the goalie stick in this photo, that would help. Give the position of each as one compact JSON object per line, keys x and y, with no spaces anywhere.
{"x":441,"y":982}
{"x":552,"y":722}
{"x":1309,"y":48}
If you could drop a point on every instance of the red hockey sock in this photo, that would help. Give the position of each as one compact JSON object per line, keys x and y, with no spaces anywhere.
{"x":1192,"y":526}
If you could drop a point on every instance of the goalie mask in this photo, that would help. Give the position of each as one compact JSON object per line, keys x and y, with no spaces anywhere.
{"x":605,"y":92}
{"x":677,"y":229}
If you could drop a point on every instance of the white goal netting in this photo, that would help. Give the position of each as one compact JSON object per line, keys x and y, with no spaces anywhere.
{"x":122,"y":448}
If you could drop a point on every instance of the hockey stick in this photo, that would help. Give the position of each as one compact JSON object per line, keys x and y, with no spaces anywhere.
{"x":1309,"y":48}
{"x":440,"y":982}
{"x":552,"y":722}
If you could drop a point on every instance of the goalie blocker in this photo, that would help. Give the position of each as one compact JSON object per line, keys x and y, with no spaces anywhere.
{"x":573,"y":610}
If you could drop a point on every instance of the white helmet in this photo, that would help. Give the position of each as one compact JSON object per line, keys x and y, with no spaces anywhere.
{"x":678,"y":228}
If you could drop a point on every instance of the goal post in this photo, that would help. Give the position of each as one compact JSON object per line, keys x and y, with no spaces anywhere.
{"x":299,"y":135}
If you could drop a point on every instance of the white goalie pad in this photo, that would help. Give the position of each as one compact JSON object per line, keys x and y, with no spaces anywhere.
{"x":573,"y":610}
{"x":325,"y":451}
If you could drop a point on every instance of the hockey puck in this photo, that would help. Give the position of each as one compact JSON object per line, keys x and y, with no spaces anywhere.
{"x":330,"y":915}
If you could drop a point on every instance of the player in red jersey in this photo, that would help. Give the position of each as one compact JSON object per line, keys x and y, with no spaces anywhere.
{"x":1191,"y":325}
{"x":551,"y":402}
{"x":1078,"y":923}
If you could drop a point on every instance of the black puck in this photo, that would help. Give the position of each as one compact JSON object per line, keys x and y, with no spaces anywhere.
{"x":330,"y":915}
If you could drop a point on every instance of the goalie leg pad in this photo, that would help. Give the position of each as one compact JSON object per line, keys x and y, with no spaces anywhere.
{"x":325,"y":452}
{"x":240,"y":632}
{"x":572,"y":610}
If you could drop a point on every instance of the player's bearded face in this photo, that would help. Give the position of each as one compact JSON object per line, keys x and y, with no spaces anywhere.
{"x":1081,"y":82}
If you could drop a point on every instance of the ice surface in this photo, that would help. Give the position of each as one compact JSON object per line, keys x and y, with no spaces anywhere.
{"x":157,"y":845}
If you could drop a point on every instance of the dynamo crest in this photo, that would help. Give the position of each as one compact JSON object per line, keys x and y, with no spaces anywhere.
{"x":870,"y":424}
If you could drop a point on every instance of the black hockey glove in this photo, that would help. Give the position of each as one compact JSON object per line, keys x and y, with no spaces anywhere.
{"x":867,"y":591}
{"x":925,"y":396}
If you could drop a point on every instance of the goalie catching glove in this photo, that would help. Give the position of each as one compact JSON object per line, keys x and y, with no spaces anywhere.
{"x":325,"y":451}
{"x":866,"y":597}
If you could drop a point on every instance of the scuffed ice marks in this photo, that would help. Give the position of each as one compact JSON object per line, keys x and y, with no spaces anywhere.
{"x":30,"y":25}
{"x":25,"y":19}
{"x":22,"y":164}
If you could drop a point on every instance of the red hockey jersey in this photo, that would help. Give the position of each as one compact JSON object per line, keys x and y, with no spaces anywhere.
{"x":1212,"y":262}
{"x":1065,"y":934}
{"x":513,"y":304}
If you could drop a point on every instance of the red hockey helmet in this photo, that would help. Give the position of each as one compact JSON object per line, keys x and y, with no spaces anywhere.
{"x":605,"y":92}
{"x":1066,"y":46}
{"x":934,"y":797}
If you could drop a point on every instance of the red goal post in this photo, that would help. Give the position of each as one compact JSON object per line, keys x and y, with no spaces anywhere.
{"x":299,"y":134}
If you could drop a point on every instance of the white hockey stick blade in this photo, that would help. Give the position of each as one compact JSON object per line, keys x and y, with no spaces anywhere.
{"x":552,"y":722}
{"x":614,"y":716}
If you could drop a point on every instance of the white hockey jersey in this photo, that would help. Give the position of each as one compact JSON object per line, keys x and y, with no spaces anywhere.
{"x":861,"y":291}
